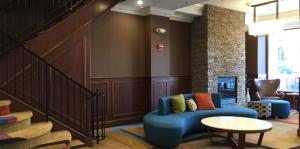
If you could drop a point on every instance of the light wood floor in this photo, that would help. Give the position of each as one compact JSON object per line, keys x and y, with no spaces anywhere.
{"x":283,"y":136}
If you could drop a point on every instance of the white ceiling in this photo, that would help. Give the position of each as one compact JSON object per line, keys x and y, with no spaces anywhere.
{"x":239,"y":5}
{"x":186,"y":9}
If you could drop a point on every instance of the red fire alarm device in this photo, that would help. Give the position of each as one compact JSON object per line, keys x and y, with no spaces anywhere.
{"x":160,"y":47}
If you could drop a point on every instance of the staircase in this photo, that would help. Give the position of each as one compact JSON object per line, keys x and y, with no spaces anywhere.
{"x":17,"y":131}
{"x":30,"y":80}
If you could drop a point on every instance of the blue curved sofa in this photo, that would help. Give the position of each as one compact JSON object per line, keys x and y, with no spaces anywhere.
{"x":166,"y":129}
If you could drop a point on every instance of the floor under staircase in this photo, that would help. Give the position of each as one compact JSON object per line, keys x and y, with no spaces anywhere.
{"x":17,"y":132}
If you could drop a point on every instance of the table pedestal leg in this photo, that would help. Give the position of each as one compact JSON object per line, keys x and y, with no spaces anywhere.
{"x":261,"y":136}
{"x":229,"y":136}
{"x":210,"y":136}
{"x":242,"y":141}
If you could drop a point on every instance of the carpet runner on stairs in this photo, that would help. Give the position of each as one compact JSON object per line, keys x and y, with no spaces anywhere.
{"x":4,"y":107}
{"x":16,"y":131}
{"x":22,"y":121}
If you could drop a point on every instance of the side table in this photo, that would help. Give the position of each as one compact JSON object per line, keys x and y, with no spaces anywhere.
{"x":294,"y":100}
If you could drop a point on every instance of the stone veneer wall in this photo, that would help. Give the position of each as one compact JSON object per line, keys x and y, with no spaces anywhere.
{"x":199,"y":63}
{"x":218,"y":49}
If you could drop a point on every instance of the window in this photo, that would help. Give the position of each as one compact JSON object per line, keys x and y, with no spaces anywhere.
{"x":284,"y":59}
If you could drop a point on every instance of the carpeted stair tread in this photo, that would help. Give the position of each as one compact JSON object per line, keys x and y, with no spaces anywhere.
{"x":77,"y":144}
{"x":56,"y":139}
{"x":4,"y":102}
{"x":35,"y":130}
{"x":19,"y":115}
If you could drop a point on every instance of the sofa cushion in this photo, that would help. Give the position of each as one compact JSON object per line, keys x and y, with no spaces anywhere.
{"x":204,"y":101}
{"x":164,"y":106}
{"x":178,"y":103}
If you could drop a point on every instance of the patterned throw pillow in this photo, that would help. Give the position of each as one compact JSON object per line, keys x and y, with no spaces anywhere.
{"x":191,"y":104}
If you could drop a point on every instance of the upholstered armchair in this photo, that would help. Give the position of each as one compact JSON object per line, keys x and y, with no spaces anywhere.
{"x":267,"y":89}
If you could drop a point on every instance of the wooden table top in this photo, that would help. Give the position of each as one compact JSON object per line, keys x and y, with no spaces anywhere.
{"x":237,"y":124}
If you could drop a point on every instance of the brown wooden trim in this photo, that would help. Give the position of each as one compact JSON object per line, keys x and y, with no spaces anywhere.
{"x":267,"y":56}
{"x":124,"y":121}
{"x":94,"y":79}
{"x":264,"y":3}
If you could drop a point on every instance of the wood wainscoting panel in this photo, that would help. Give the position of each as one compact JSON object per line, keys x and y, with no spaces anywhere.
{"x":104,"y":86}
{"x":128,"y":97}
{"x":125,"y":98}
{"x":179,"y":85}
{"x":73,"y":56}
{"x":160,"y":88}
{"x":168,"y":86}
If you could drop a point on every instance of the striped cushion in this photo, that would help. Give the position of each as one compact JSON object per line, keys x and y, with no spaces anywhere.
{"x":7,"y":120}
{"x":4,"y":136}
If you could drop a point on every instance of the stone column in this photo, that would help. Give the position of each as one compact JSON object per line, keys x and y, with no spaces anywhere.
{"x":218,"y":49}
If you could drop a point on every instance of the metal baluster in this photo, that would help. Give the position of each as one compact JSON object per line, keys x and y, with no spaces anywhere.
{"x":103,"y":116}
{"x":39,"y":81}
{"x":47,"y":91}
{"x":23,"y":66}
{"x":6,"y":63}
{"x":85,"y":111}
{"x":65,"y":4}
{"x":61,"y":98}
{"x":53,"y":87}
{"x":80,"y":110}
{"x":74,"y":104}
{"x":97,"y":115}
{"x":31,"y":76}
{"x":92,"y":115}
{"x":68,"y":101}
{"x":15,"y":74}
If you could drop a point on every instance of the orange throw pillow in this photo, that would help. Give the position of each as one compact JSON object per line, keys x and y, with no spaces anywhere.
{"x":204,"y":101}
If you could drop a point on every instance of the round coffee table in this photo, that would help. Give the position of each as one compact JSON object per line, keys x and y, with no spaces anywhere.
{"x":240,"y":125}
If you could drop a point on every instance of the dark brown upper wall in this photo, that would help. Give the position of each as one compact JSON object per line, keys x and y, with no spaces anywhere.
{"x":118,"y":46}
{"x":123,"y":45}
{"x":180,"y":48}
{"x":160,"y":61}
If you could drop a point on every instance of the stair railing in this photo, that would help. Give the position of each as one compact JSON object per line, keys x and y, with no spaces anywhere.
{"x":40,"y":85}
{"x":22,"y":19}
{"x":35,"y":82}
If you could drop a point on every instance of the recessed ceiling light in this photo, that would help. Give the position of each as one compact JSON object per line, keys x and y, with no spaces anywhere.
{"x":140,"y":2}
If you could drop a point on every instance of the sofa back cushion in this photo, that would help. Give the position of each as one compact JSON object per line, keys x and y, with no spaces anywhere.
{"x":164,"y":106}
